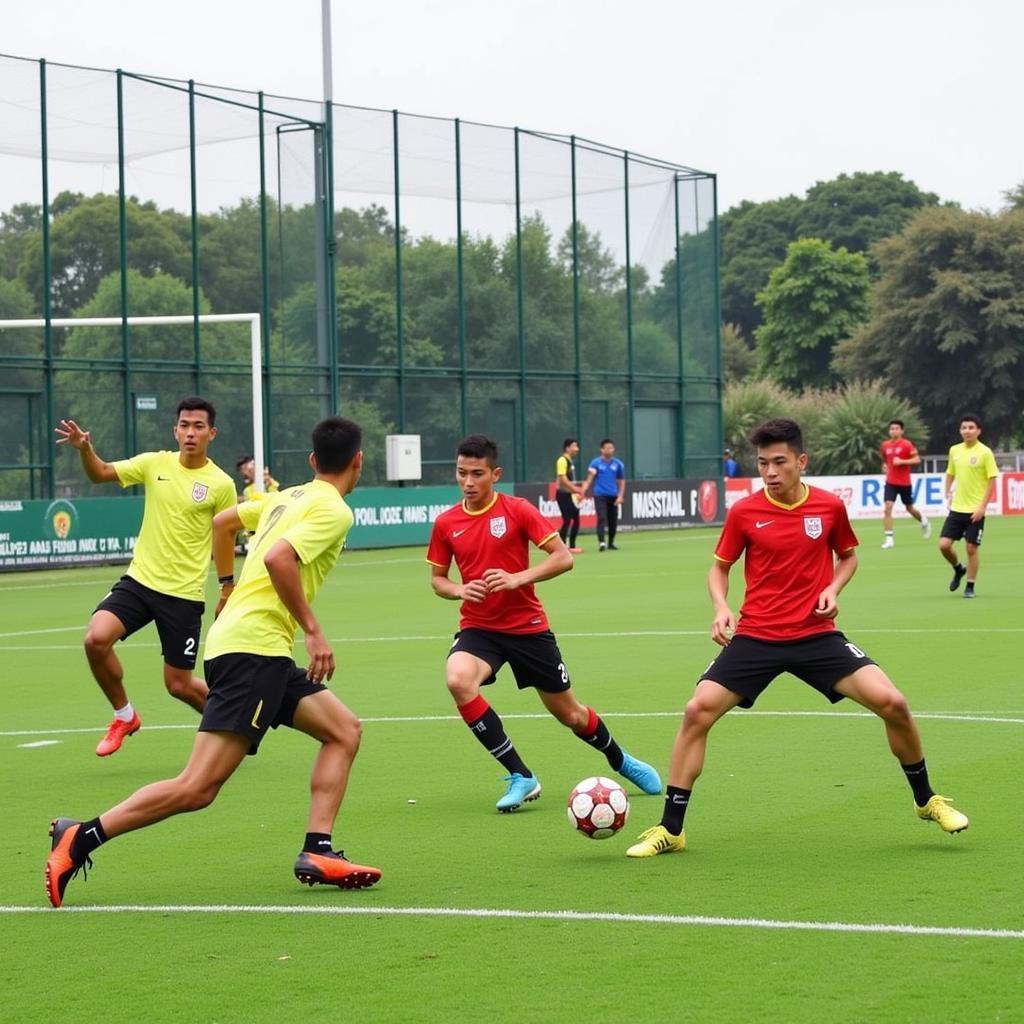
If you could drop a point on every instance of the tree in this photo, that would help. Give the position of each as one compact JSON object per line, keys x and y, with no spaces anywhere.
{"x":815,"y":299}
{"x":857,"y":210}
{"x":738,"y":358}
{"x":854,"y":210}
{"x":85,"y":247}
{"x":1015,"y":197}
{"x":947,"y":320}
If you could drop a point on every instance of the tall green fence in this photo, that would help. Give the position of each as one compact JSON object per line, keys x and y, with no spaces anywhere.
{"x":422,"y":275}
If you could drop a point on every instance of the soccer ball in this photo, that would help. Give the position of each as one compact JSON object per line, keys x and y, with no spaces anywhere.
{"x":598,"y":807}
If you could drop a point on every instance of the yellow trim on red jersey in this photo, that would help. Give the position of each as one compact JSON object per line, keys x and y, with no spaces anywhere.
{"x":782,"y":504}
{"x":470,"y":512}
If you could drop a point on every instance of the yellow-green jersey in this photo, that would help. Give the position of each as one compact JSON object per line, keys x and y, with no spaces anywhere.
{"x":314,"y":519}
{"x":250,"y":493}
{"x":173,"y":549}
{"x":972,"y":469}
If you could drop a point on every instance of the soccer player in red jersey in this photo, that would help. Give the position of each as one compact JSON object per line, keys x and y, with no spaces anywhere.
{"x":798,"y":550}
{"x":488,"y":536}
{"x":898,"y":455}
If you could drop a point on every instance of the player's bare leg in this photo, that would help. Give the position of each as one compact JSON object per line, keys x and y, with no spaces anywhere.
{"x":873,"y":689}
{"x":186,"y":687}
{"x":105,"y":629}
{"x":214,"y":758}
{"x":947,"y":551}
{"x":325,"y":718}
{"x":709,"y":702}
{"x":972,"y":563}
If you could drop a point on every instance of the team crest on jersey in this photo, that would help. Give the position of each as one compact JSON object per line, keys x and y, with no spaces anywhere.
{"x":498,"y":526}
{"x":199,"y":492}
{"x":812,"y":526}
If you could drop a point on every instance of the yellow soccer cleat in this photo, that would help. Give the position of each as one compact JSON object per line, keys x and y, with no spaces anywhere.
{"x":943,"y":813}
{"x":659,"y":840}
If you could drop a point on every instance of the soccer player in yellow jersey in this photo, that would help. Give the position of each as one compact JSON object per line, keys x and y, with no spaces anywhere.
{"x":246,"y":466}
{"x":166,"y":581}
{"x":254,"y":683}
{"x":972,"y":469}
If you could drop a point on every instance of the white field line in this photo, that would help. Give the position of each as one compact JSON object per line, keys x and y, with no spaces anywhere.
{"x":690,"y":920}
{"x":601,"y":634}
{"x":941,"y":716}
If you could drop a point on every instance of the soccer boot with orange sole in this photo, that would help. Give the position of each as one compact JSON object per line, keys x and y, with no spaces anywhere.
{"x":334,"y":869}
{"x":61,"y":866}
{"x":116,"y":732}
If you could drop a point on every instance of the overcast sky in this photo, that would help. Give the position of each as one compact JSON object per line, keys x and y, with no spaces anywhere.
{"x":772,"y":96}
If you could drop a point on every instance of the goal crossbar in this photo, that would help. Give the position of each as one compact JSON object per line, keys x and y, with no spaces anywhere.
{"x":256,"y":355}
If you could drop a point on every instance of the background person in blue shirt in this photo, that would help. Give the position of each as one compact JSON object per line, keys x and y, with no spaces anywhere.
{"x":607,"y":476}
{"x":732,"y":467}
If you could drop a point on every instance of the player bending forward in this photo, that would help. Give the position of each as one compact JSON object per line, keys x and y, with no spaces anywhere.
{"x":254,"y":684}
{"x":488,"y":537}
{"x":799,"y":554}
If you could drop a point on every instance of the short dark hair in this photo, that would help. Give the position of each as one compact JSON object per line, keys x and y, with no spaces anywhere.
{"x":568,"y":441}
{"x":243,"y":459}
{"x":970,"y":417}
{"x":336,"y":442}
{"x":607,"y":440}
{"x":192,"y":403}
{"x":478,"y":446}
{"x":776,"y":431}
{"x":898,"y":423}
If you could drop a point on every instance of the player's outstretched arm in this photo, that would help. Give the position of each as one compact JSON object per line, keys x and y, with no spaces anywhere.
{"x":282,"y":564}
{"x":70,"y":433}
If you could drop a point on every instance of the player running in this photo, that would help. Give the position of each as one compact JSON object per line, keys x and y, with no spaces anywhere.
{"x":166,"y":581}
{"x":898,"y":455}
{"x":798,"y":548}
{"x":488,"y":537}
{"x":254,"y":683}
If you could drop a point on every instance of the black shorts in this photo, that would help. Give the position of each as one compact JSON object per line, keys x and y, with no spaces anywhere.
{"x":958,"y":524}
{"x":568,"y":507}
{"x":747,"y":666}
{"x":178,"y":620}
{"x":902,"y":491}
{"x":249,"y":693}
{"x":534,"y":658}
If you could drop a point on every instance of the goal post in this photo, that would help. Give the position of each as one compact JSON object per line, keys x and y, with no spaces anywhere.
{"x":256,"y":354}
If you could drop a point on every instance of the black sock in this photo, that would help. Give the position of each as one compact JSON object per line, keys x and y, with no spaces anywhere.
{"x":917,"y":776}
{"x":600,"y":738}
{"x":485,"y":724}
{"x":317,"y":842}
{"x":575,"y":529}
{"x":88,"y":837}
{"x":676,"y":802}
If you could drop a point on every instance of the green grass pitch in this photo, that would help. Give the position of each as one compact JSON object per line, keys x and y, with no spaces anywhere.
{"x":804,"y":851}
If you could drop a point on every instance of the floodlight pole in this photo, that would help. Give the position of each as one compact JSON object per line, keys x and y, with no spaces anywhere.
{"x":325,"y":38}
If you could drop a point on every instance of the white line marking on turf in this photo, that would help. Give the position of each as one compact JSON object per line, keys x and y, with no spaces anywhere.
{"x":446,"y":637}
{"x":692,"y":920}
{"x":38,"y":743}
{"x":964,"y":716}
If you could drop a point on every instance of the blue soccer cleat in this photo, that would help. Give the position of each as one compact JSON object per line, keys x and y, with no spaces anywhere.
{"x":641,"y":774}
{"x":521,"y":790}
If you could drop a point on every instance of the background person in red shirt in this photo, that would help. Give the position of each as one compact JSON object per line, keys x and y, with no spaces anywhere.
{"x":488,"y":536}
{"x":898,"y":455}
{"x":798,"y":550}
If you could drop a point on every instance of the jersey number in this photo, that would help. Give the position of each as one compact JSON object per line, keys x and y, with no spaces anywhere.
{"x":275,"y":513}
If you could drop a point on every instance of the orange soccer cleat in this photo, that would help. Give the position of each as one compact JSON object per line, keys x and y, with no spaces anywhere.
{"x":334,"y":869}
{"x":116,"y":732}
{"x":61,"y":867}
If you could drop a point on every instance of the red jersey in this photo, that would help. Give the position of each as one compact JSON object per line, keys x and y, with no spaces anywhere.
{"x":498,"y":537}
{"x":789,"y":560}
{"x":898,"y":476}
